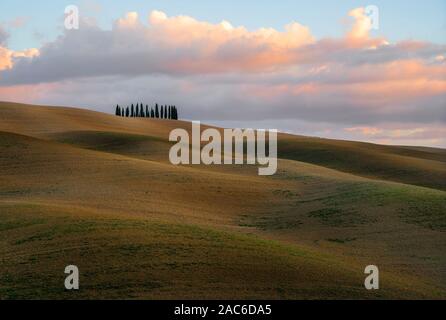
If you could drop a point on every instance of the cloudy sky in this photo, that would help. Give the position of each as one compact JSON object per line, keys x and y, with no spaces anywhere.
{"x":316,"y":68}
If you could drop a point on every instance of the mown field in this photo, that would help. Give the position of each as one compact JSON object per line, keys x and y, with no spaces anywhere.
{"x":94,"y":190}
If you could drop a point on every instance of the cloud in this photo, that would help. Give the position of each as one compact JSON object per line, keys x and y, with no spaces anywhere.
{"x":18,"y":22}
{"x":408,"y":134}
{"x":175,"y":45}
{"x":362,"y":24}
{"x":5,"y":59}
{"x":7,"y":56}
{"x":182,"y":45}
{"x":221,"y":72}
{"x":3,"y":36}
{"x":130,"y":20}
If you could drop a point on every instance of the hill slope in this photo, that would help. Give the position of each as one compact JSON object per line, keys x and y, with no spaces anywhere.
{"x":85,"y":188}
{"x":412,"y":165}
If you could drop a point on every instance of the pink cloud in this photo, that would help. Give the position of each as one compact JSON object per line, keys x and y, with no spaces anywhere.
{"x":401,"y":134}
{"x":19,"y":22}
{"x":366,"y":131}
{"x":27,"y":93}
{"x":7,"y":56}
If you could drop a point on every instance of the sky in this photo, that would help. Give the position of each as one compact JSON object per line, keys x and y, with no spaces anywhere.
{"x":318,"y":68}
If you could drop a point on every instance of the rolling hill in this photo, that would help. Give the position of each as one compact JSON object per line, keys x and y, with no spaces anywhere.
{"x":91,"y":189}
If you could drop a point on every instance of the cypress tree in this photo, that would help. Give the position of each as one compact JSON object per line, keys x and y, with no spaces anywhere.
{"x":127,"y":112}
{"x":132,"y":111}
{"x":152,"y":113}
{"x":147,"y":111}
{"x":175,"y":112}
{"x":157,"y":113}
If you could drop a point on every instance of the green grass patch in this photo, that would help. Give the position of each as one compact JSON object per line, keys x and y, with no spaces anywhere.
{"x":140,"y":258}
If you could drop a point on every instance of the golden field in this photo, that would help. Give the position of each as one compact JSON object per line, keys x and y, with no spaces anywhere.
{"x":98,"y":191}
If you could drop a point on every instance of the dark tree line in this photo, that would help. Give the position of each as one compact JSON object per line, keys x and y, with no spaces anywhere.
{"x":163,"y":112}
